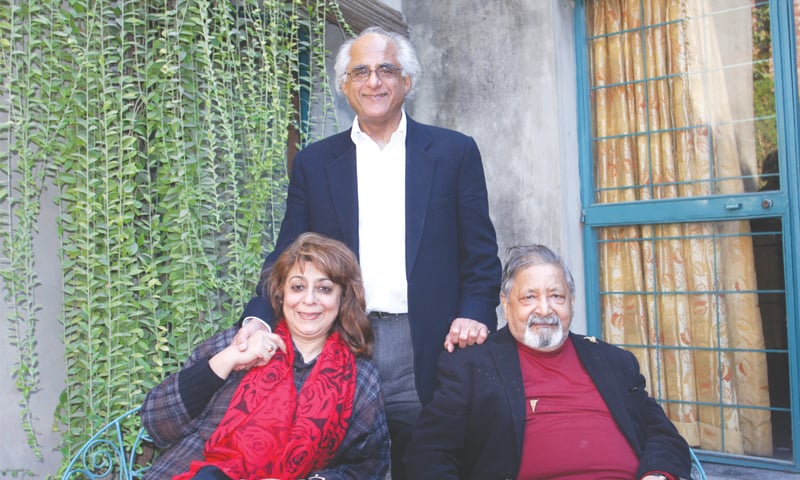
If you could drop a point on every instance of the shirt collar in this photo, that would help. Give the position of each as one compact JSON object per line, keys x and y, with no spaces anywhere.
{"x":358,"y":135}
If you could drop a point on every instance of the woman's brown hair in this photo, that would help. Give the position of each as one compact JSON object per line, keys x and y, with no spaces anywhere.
{"x":339,"y":264}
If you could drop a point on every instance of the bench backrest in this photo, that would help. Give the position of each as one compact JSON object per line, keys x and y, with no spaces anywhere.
{"x":114,"y":452}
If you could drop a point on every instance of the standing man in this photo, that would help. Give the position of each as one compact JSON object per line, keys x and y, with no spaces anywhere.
{"x":538,"y":402}
{"x":410,"y":200}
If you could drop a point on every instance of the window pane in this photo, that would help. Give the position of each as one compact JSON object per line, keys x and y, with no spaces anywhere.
{"x":708,"y":325}
{"x":682,"y":99}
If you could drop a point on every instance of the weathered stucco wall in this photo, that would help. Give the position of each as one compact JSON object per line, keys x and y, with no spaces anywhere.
{"x":504,"y":73}
{"x":15,"y":453}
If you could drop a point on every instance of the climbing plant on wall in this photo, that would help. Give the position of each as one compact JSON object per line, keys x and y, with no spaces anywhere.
{"x":29,"y":120}
{"x":164,"y":127}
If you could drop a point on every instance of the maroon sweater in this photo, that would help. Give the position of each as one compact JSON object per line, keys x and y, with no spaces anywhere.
{"x":569,"y":431}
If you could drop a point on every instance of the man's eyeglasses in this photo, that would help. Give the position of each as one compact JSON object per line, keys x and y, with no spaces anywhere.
{"x":387,"y":71}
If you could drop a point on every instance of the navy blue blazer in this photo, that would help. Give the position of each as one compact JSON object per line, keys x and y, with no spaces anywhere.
{"x":473,"y":428}
{"x":451,"y":249}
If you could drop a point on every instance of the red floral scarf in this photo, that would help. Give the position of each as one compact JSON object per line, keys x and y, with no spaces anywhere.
{"x":270,"y":430}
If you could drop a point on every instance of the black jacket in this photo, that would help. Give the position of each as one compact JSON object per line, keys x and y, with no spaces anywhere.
{"x":473,"y":427}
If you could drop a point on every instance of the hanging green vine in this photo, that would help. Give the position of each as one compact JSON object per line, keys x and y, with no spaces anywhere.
{"x":27,"y":127}
{"x":164,"y":126}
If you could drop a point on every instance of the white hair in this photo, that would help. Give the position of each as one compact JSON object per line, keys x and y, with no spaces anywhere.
{"x":405,"y":55}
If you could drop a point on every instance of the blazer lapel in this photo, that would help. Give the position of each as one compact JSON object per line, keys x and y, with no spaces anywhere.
{"x":341,"y":174}
{"x":606,"y":383}
{"x":504,"y":350}
{"x":419,"y":174}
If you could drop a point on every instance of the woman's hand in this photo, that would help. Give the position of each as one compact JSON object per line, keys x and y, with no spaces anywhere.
{"x":261,"y":347}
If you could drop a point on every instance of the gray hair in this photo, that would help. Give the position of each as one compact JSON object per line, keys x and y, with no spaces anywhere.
{"x":405,"y":55}
{"x":520,"y":257}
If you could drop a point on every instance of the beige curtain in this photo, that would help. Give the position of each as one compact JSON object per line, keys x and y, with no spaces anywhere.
{"x":678,"y":285}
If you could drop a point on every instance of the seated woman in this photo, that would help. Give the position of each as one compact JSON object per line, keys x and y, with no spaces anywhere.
{"x":314,"y":408}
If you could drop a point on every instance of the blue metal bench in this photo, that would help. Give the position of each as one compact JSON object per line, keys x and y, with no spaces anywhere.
{"x":114,"y":452}
{"x":697,"y":468}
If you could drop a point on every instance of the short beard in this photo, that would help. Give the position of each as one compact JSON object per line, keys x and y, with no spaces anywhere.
{"x":547,"y":339}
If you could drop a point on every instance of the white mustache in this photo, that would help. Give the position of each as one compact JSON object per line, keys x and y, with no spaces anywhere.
{"x":548,"y":320}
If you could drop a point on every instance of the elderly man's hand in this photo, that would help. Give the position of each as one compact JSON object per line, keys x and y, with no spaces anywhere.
{"x":247,"y":330}
{"x":270,"y":342}
{"x":465,"y":332}
{"x":261,"y":347}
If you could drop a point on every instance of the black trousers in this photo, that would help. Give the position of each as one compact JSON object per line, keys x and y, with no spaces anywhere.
{"x":400,"y":433}
{"x":210,"y":473}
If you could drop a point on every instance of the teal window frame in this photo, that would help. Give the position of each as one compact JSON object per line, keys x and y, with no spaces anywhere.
{"x":785,"y":203}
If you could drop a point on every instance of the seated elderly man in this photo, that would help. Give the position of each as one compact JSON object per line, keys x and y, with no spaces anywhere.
{"x":538,"y":402}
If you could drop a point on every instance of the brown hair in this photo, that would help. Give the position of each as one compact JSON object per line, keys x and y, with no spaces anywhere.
{"x":338,"y":263}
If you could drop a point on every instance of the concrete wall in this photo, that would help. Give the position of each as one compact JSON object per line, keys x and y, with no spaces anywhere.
{"x":504,"y":73}
{"x":49,"y":333}
{"x":15,"y":454}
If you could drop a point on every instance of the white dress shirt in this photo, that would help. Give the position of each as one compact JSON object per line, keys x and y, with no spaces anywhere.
{"x":381,"y":176}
